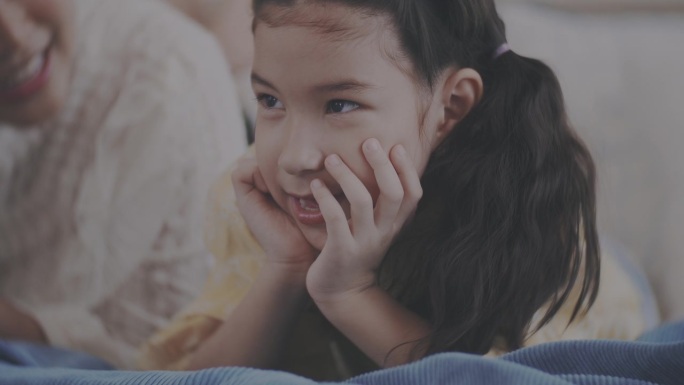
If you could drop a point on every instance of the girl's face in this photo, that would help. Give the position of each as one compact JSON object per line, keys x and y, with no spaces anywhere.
{"x":35,"y":57}
{"x":325,"y":89}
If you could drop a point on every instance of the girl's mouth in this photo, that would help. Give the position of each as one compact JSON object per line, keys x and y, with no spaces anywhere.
{"x":27,"y":80}
{"x":308,"y":204}
{"x":306,"y":210}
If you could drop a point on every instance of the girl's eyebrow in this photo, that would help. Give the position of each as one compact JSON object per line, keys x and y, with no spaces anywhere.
{"x":337,"y":86}
{"x":343,"y":85}
{"x":258,"y":79}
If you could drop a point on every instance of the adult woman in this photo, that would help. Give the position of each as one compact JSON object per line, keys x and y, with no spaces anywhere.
{"x":115,"y":117}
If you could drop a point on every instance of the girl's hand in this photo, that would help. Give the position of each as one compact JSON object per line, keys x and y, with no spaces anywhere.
{"x":354,"y":249}
{"x":282,"y":241}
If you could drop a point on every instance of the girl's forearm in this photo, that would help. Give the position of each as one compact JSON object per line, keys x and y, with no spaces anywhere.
{"x":379,"y":325}
{"x":255,"y":333}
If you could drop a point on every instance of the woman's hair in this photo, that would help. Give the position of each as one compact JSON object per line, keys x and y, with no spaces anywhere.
{"x":506,"y":225}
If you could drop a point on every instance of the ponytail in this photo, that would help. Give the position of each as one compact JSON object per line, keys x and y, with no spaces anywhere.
{"x":558,"y":196}
{"x":513,"y":189}
{"x":516,"y":229}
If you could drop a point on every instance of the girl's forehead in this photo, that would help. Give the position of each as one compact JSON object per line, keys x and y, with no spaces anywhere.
{"x":338,"y":22}
{"x":339,"y":29}
{"x":319,"y":40}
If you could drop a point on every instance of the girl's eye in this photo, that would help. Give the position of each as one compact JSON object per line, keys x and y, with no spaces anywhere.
{"x":269,"y":101}
{"x":341,"y":106}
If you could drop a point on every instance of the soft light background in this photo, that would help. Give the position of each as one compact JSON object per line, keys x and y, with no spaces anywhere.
{"x":621,"y":65}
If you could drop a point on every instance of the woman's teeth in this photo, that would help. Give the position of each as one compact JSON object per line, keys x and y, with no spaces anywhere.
{"x":30,"y":71}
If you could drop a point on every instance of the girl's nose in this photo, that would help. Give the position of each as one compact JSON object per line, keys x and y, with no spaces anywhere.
{"x":301,"y":154}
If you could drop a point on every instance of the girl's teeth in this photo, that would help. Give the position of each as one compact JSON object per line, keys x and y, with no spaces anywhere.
{"x":27,"y":73}
{"x":309,"y":205}
{"x":33,"y":66}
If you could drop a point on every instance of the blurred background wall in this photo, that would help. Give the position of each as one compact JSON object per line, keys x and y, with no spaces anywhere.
{"x":621,"y":65}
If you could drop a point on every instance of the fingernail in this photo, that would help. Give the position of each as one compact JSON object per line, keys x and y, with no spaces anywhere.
{"x":401,"y":151}
{"x":372,"y":145}
{"x":316,"y":184}
{"x":334,"y":160}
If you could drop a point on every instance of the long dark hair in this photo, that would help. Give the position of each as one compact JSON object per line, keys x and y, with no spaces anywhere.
{"x":506,"y":225}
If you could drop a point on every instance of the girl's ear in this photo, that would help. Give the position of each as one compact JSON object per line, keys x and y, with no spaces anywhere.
{"x":462,"y":91}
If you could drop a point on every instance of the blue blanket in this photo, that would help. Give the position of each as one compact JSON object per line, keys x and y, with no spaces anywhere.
{"x":656,"y":358}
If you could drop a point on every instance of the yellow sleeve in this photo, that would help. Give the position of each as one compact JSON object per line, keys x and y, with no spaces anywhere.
{"x":617,"y":313}
{"x":238,"y":258}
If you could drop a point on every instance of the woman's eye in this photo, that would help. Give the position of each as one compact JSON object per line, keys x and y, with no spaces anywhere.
{"x":341,"y":106}
{"x":269,"y":101}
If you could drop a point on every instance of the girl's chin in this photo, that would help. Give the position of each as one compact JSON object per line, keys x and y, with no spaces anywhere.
{"x":315,"y":237}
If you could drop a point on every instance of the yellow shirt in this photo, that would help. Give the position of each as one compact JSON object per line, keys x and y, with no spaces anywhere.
{"x":316,"y":349}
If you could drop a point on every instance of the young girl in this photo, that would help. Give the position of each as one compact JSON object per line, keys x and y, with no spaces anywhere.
{"x":415,"y":188}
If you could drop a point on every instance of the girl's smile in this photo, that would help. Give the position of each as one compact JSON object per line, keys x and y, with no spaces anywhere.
{"x":305,"y":209}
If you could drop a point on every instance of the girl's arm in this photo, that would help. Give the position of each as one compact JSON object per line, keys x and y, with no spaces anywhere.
{"x":342,"y":280}
{"x":378,"y":325}
{"x":256,"y":331}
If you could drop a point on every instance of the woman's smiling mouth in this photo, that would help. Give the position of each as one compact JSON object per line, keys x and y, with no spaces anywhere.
{"x":27,"y":80}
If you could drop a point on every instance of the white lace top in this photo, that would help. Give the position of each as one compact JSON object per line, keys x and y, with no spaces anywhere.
{"x":101,"y":208}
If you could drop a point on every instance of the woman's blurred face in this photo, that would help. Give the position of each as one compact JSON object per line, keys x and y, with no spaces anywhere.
{"x":36,"y":41}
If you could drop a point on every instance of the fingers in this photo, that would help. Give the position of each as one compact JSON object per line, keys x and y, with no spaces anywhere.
{"x":259,"y":182}
{"x":410,"y":182}
{"x":336,"y":223}
{"x":243,"y":175}
{"x":360,"y":200}
{"x":389,"y":184}
{"x":248,"y":181}
{"x":398,"y":184}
